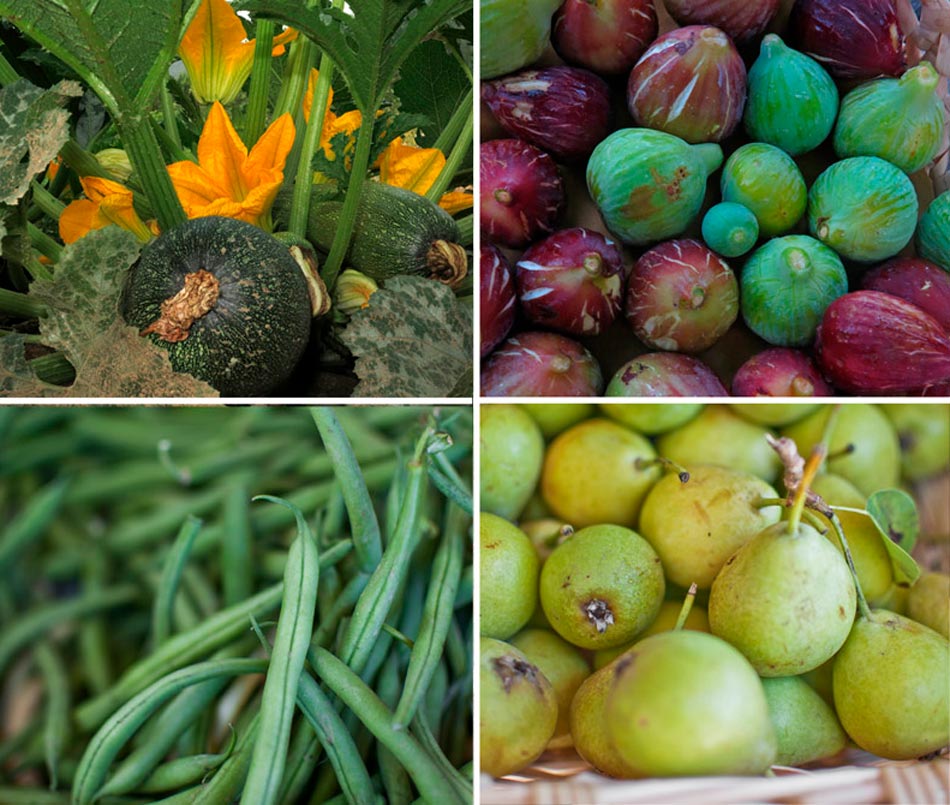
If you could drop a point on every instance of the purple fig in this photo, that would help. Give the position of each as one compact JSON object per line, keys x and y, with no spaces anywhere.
{"x":563,"y":110}
{"x":682,"y":297}
{"x":780,"y":372}
{"x":851,"y":38}
{"x":521,"y":193}
{"x":665,"y":374}
{"x":742,"y":20}
{"x":571,"y":281}
{"x":920,"y":282}
{"x":497,"y":297}
{"x":541,"y":365}
{"x":606,"y":36}
{"x":691,"y":83}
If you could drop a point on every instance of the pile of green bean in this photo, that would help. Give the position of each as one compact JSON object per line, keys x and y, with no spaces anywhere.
{"x":213,"y":605}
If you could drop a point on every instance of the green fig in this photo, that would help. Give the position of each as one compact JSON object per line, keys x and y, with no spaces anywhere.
{"x":730,"y":229}
{"x":785,"y":599}
{"x":897,"y":119}
{"x":517,"y":709}
{"x":508,"y":577}
{"x":718,"y":436}
{"x":767,"y":181}
{"x":515,"y":32}
{"x":564,"y":666}
{"x":594,"y":472}
{"x":512,"y":449}
{"x":928,"y":602}
{"x":602,"y":586}
{"x":863,"y":447}
{"x":864,"y":208}
{"x":807,"y":729}
{"x":687,"y":703}
{"x":892,"y":686}
{"x":651,"y":418}
{"x":697,"y":525}
{"x":792,"y":101}
{"x":933,"y":232}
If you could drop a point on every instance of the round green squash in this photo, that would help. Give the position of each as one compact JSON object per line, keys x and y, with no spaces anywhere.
{"x":897,"y":119}
{"x":767,"y":181}
{"x":933,"y":232}
{"x":227,"y":300}
{"x":649,"y":185}
{"x":792,"y":100}
{"x":514,"y":34}
{"x":730,"y":229}
{"x":864,"y":208}
{"x":786,"y":286}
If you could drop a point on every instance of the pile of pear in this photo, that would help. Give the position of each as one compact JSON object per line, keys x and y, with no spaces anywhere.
{"x":596,"y":520}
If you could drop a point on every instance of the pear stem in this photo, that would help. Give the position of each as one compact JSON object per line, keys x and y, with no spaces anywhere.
{"x":687,"y":606}
{"x":555,"y":538}
{"x":665,"y":464}
{"x":862,"y":601}
{"x":811,"y":470}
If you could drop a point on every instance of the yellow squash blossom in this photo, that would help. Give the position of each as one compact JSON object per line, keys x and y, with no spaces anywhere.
{"x":106,"y":202}
{"x":348,"y":123}
{"x":228,"y":180}
{"x":416,"y":169}
{"x":217,"y":53}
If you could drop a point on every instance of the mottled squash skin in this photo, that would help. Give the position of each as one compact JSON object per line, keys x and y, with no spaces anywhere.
{"x":255,"y":331}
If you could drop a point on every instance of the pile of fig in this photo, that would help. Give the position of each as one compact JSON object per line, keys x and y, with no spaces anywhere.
{"x":683,"y":589}
{"x":704,"y":198}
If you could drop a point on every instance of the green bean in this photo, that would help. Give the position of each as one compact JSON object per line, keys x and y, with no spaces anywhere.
{"x":367,"y":542}
{"x":343,"y":604}
{"x":446,"y":479}
{"x":200,"y":590}
{"x":49,"y":448}
{"x":171,"y":574}
{"x":31,"y":522}
{"x":33,"y":626}
{"x":328,"y":592}
{"x":332,"y":518}
{"x":302,"y":757}
{"x":237,"y":570}
{"x":336,"y":741}
{"x":373,"y":606}
{"x":437,"y":696}
{"x":273,"y":562}
{"x":57,"y":728}
{"x":436,"y":616}
{"x":425,"y":773}
{"x":423,"y":733}
{"x":456,"y":650}
{"x":464,"y":596}
{"x":290,"y":652}
{"x":226,"y":784}
{"x":108,"y":741}
{"x":177,"y":651}
{"x":184,"y":771}
{"x":40,"y":796}
{"x":94,"y":654}
{"x":393,"y":775}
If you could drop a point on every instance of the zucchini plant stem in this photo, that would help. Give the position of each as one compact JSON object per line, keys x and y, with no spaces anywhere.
{"x":260,"y":81}
{"x":46,"y":201}
{"x":341,"y":240}
{"x":294,"y":80}
{"x":146,"y":158}
{"x":168,"y":116}
{"x":454,"y":159}
{"x":44,"y":243}
{"x":453,"y":128}
{"x":20,"y":304}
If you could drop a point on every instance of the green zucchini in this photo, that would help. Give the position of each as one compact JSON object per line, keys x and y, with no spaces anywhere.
{"x":396,"y":232}
{"x":227,"y":300}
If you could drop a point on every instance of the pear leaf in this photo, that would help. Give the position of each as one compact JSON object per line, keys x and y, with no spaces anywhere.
{"x":895,"y":515}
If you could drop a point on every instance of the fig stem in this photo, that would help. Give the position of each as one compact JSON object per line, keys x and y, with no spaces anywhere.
{"x":862,"y":601}
{"x":667,"y":465}
{"x":687,"y":606}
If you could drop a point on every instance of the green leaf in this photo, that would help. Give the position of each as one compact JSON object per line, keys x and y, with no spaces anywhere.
{"x":413,"y":340}
{"x":895,"y":515}
{"x":369,"y":43}
{"x":121,"y":49}
{"x":33,"y":127}
{"x":431,"y":83}
{"x":83,"y":322}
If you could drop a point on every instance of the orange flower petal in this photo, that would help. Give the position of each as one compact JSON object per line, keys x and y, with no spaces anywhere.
{"x":216,"y":52}
{"x":456,"y":200}
{"x":308,"y":98}
{"x":96,"y":188}
{"x":221,"y":152}
{"x":271,"y":150}
{"x":194,"y":186}
{"x":287,"y":35}
{"x":79,"y":218}
{"x":410,"y":167}
{"x":118,"y":209}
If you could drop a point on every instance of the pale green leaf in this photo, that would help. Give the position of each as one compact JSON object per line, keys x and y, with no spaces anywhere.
{"x":895,"y":515}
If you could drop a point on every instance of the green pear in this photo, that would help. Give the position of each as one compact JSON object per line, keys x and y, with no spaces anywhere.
{"x":892,"y":686}
{"x":602,"y":586}
{"x":873,"y":460}
{"x":697,"y":525}
{"x":564,"y":666}
{"x":697,"y":620}
{"x":517,"y":709}
{"x":552,"y":418}
{"x":512,"y":449}
{"x":924,"y":434}
{"x":651,"y":418}
{"x":591,"y":474}
{"x":785,"y":599}
{"x":807,"y":729}
{"x":871,"y":559}
{"x":928,"y":602}
{"x":687,"y":703}
{"x":718,"y":436}
{"x":508,"y":577}
{"x":774,"y":415}
{"x":588,"y":719}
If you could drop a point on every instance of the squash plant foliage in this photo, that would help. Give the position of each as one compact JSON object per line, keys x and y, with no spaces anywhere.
{"x":106,"y":142}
